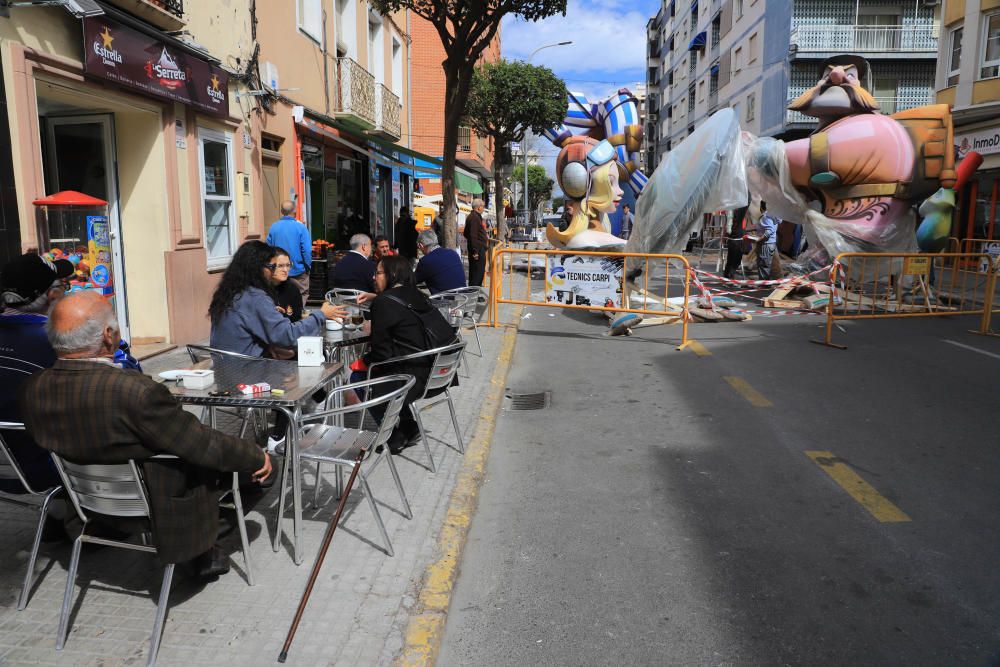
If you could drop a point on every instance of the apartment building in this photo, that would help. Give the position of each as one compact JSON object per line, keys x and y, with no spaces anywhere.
{"x":193,"y":121}
{"x":968,"y":78}
{"x":756,"y":55}
{"x":474,"y":170}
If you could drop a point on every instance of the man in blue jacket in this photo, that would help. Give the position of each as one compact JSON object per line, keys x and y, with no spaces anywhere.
{"x":293,"y":237}
{"x":440,"y":268}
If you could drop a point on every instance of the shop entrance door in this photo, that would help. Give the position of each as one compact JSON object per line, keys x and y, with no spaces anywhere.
{"x":81,"y":156}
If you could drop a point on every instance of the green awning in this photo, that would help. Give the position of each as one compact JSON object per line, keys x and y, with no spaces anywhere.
{"x":468,"y":184}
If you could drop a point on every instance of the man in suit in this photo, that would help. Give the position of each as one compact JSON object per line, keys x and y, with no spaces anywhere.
{"x":355,"y":270}
{"x":477,"y":241}
{"x":293,"y":237}
{"x":88,"y":410}
{"x":440,"y":268}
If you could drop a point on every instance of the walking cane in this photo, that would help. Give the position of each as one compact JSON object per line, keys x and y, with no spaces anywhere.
{"x":327,"y":538}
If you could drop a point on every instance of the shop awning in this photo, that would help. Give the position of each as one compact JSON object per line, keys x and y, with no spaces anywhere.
{"x":328,"y":130}
{"x":466,"y":183}
{"x":694,"y":6}
{"x":699,"y":41}
{"x":714,"y":69}
{"x":387,"y":147}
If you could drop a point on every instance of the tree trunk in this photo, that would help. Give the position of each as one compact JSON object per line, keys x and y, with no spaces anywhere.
{"x":498,"y":195}
{"x":457,"y":83}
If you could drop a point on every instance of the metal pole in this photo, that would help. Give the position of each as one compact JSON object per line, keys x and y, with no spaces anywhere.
{"x":526,"y":211}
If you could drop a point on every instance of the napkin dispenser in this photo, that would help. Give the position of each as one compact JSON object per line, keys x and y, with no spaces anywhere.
{"x":311,"y":351}
{"x":198,"y":379}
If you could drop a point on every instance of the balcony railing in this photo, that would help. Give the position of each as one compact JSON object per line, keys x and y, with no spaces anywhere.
{"x":889,"y":105}
{"x":386,"y":111}
{"x":464,"y":140}
{"x":355,"y":91}
{"x":866,"y":39}
{"x":164,"y":14}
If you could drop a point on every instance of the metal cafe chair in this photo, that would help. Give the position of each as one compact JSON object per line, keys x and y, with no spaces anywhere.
{"x":454,"y":306}
{"x":325,"y":442}
{"x":117,"y":490}
{"x":251,"y":419}
{"x":37,"y":499}
{"x":444,"y":365}
{"x":344,"y":296}
{"x":479,"y":299}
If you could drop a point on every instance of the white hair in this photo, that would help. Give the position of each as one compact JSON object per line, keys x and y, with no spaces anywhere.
{"x":359,"y":240}
{"x":86,"y":337}
{"x":428,"y":238}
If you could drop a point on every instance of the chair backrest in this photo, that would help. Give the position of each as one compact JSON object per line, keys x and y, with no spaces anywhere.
{"x":113,"y":489}
{"x":445,"y":366}
{"x":452,"y":305}
{"x":343,"y":295}
{"x":478,"y":296}
{"x":9,"y":467}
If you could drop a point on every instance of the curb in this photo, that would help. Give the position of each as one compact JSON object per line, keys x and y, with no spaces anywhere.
{"x":425,"y":629}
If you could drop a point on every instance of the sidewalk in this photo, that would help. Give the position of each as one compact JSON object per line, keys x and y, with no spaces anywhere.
{"x":359,"y":609}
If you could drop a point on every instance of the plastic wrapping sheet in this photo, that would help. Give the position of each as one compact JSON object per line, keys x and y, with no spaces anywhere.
{"x":704,"y":173}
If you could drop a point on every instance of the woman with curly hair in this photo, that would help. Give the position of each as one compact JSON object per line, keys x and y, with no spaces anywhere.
{"x":243,"y":312}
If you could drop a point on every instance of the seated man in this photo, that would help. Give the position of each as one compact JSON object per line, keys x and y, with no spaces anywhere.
{"x":30,"y":286}
{"x":382,"y":248}
{"x":440,"y":268}
{"x":356,"y":270}
{"x":88,"y":410}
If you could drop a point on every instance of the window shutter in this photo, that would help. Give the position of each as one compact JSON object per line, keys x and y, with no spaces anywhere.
{"x":724,"y":73}
{"x":727,"y":18}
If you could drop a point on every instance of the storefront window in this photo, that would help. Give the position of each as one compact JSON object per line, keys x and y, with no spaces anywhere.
{"x":215,"y":151}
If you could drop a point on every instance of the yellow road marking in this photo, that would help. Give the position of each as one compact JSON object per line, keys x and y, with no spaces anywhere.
{"x":880,"y":507}
{"x":746,"y":391}
{"x":425,"y":630}
{"x":699,"y":349}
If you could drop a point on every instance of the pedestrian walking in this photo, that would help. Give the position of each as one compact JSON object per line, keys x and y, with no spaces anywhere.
{"x":293,"y":237}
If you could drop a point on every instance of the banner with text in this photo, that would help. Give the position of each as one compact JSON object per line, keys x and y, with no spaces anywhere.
{"x":133,"y":59}
{"x":584,"y":280}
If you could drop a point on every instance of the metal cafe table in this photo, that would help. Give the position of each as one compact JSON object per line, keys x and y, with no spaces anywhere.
{"x":298,"y":383}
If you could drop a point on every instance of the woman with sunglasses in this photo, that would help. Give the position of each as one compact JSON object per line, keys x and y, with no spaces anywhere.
{"x":243,"y":311}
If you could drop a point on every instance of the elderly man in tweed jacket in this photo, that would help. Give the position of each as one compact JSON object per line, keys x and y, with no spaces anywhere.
{"x":87,"y":410}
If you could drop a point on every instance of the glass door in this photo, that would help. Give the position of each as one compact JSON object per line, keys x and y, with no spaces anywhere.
{"x":81,"y":156}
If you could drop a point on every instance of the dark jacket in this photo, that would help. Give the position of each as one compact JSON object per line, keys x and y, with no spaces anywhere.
{"x":396,"y":332}
{"x":406,"y":237}
{"x":288,"y":297}
{"x":88,"y":412}
{"x":475,"y":233}
{"x":441,"y":269}
{"x":354,"y":271}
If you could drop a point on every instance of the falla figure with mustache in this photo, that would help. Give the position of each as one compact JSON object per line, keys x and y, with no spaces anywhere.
{"x":866,"y":168}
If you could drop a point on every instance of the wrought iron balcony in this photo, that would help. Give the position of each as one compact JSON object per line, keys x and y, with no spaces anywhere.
{"x":889,"y":105}
{"x":355,"y":94}
{"x":866,"y":38}
{"x":164,"y":14}
{"x":386,"y":112}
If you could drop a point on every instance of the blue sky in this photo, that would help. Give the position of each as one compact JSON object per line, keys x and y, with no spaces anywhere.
{"x":609,"y":43}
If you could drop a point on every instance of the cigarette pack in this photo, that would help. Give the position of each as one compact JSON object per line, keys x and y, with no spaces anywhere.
{"x":258,"y":388}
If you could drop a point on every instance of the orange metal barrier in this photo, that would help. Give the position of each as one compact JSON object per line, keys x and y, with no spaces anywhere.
{"x":680,"y":278}
{"x":882,"y":286}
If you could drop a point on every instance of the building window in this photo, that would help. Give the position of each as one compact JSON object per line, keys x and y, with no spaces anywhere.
{"x":309,"y":14}
{"x":701,"y":91}
{"x":693,"y":62}
{"x":738,"y":59}
{"x":215,"y":153}
{"x":347,"y":32}
{"x":738,"y":9}
{"x":716,"y":30}
{"x":694,"y":16}
{"x":751,"y":103}
{"x":397,"y":67}
{"x":955,"y":61}
{"x":990,"y":66}
{"x":752,"y":48}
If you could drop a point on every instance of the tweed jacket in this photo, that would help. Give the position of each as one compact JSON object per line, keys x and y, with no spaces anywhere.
{"x":90,"y":412}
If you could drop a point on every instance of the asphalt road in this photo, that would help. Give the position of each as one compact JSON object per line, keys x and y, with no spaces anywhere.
{"x":659,"y":514}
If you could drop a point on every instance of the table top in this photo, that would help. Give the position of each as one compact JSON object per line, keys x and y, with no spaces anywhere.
{"x":298,"y":382}
{"x":345,"y":337}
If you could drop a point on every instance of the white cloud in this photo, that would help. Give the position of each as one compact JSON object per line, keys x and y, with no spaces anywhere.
{"x":608,"y":38}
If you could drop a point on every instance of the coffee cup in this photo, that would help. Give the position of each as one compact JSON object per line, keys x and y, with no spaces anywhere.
{"x":334,"y":325}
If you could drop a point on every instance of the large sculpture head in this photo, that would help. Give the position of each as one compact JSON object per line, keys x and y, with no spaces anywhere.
{"x":840,"y":91}
{"x":589,"y":176}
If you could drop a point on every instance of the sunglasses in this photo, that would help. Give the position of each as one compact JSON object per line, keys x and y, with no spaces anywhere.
{"x":273,"y":267}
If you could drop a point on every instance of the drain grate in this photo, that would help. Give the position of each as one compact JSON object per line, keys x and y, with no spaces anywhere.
{"x":538,"y":400}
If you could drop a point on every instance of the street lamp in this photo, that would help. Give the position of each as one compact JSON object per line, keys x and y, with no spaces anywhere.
{"x":524,"y":149}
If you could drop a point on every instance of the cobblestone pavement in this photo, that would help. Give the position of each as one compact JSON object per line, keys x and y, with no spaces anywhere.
{"x":359,"y":607}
